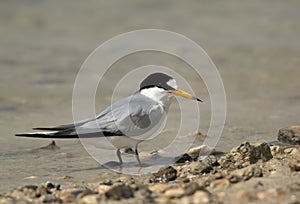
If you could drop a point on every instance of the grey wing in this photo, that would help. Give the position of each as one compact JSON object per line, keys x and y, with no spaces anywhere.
{"x":138,"y":115}
{"x":131,"y":116}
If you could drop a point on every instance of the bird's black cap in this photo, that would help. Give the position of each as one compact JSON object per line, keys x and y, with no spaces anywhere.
{"x":156,"y":80}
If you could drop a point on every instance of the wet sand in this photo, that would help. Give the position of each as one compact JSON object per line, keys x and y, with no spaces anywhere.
{"x":43,"y":44}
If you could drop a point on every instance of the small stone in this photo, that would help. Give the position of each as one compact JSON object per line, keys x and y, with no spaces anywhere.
{"x":183,"y":179}
{"x":42,"y":190}
{"x":126,"y":180}
{"x":294,"y":187}
{"x":288,"y":150}
{"x":246,"y":154}
{"x":8,"y":200}
{"x":199,"y":151}
{"x":107,"y":182}
{"x":164,"y":175}
{"x":158,"y":187}
{"x":191,"y":188}
{"x":90,"y":199}
{"x":50,"y":199}
{"x":69,"y":195}
{"x":294,"y":162}
{"x":245,"y":173}
{"x":201,"y":197}
{"x":290,"y":135}
{"x":30,"y":187}
{"x":145,"y":191}
{"x":183,"y":159}
{"x":200,"y":167}
{"x":174,"y":193}
{"x":102,"y":189}
{"x":49,"y":185}
{"x":208,"y":163}
{"x":220,"y":184}
{"x":269,"y":194}
{"x":119,"y":192}
{"x":243,"y":194}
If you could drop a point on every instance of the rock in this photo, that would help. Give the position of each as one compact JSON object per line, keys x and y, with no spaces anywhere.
{"x":8,"y":200}
{"x":294,"y":162}
{"x":145,"y":191}
{"x":174,"y":193}
{"x":220,"y":184}
{"x":270,"y":194}
{"x":49,"y":185}
{"x":102,"y":189}
{"x":244,"y":195}
{"x":208,"y":163}
{"x":245,"y":173}
{"x":244,"y":155}
{"x":294,"y":187}
{"x":125,"y":180}
{"x":107,"y":182}
{"x":51,"y":199}
{"x":119,"y":192}
{"x":164,"y":175}
{"x":158,"y":187}
{"x":200,"y":167}
{"x":70,"y":195}
{"x":290,"y":135}
{"x":183,"y":159}
{"x":90,"y":199}
{"x":199,"y":151}
{"x":202,"y":197}
{"x":29,"y":187}
{"x":191,"y":188}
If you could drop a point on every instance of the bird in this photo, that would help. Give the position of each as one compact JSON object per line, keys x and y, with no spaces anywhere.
{"x":124,"y":121}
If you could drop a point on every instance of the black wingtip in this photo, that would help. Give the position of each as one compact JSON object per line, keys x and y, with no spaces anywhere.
{"x":199,"y":100}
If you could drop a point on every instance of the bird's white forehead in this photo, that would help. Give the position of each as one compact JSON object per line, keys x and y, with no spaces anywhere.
{"x":172,"y":83}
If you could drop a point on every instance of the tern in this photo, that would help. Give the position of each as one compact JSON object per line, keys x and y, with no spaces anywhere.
{"x":124,"y":120}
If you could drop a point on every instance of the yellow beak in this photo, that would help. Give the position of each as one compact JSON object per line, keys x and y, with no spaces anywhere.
{"x":184,"y":94}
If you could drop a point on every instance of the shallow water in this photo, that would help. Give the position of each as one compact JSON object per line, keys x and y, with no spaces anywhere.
{"x":254,"y":45}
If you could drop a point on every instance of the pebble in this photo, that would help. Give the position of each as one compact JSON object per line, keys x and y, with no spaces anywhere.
{"x":102,"y":189}
{"x":174,"y":193}
{"x":159,"y":187}
{"x":246,"y":154}
{"x":145,"y":191}
{"x":243,"y":194}
{"x":270,"y":194}
{"x":245,"y":174}
{"x":164,"y":175}
{"x":90,"y":199}
{"x":119,"y":192}
{"x":199,"y":151}
{"x":201,"y":197}
{"x":200,"y":167}
{"x":191,"y":188}
{"x":289,"y":135}
{"x":183,"y":159}
{"x":294,"y":162}
{"x":220,"y":184}
{"x":51,"y":199}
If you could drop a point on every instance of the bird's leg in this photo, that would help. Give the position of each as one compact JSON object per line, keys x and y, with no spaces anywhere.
{"x":137,"y":155}
{"x":119,"y":156}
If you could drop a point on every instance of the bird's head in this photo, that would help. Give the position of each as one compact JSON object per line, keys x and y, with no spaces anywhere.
{"x":161,"y":87}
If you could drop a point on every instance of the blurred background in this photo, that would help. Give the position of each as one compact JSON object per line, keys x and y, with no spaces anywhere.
{"x":254,"y":44}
